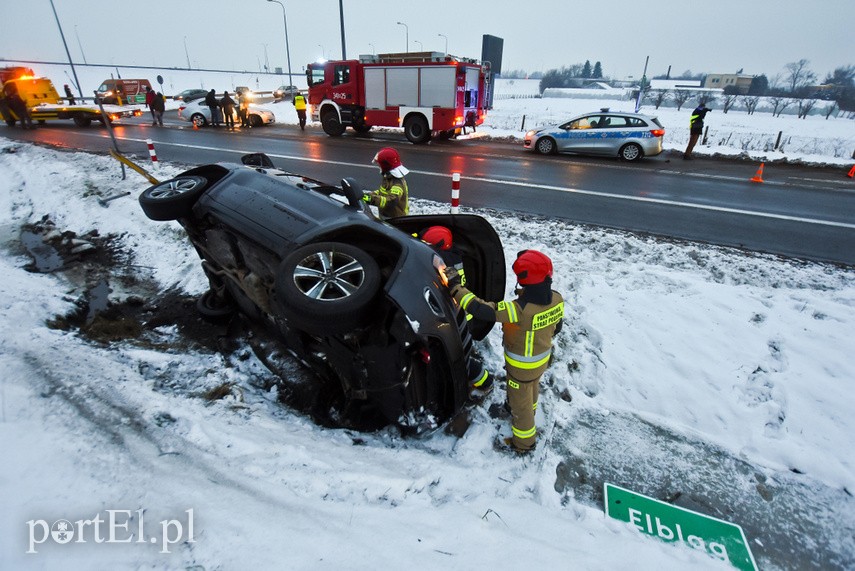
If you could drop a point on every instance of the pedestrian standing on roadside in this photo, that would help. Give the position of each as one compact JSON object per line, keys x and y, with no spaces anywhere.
{"x":149,"y":100}
{"x":696,"y":128}
{"x":69,"y":95}
{"x":227,"y":104}
{"x":300,"y":106}
{"x":214,"y":108}
{"x":243,"y":108}
{"x":18,"y":106}
{"x":158,"y":106}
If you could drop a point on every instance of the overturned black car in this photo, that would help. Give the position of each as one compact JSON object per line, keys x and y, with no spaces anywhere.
{"x":359,"y":301}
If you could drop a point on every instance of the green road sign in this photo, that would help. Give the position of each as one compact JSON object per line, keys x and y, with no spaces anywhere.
{"x":716,"y":537}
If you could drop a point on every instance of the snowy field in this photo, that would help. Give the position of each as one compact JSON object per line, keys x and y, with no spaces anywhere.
{"x":750,"y":355}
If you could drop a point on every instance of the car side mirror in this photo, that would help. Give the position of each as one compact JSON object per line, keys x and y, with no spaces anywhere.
{"x":352,"y":191}
{"x":259,"y":160}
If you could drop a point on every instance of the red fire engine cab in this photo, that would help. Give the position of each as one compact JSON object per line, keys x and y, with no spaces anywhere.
{"x":423,"y":92}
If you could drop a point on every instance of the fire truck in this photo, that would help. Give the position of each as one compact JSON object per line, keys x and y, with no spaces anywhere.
{"x":423,"y":92}
{"x":44,"y":103}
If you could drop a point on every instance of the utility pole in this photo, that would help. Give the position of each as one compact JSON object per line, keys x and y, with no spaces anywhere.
{"x":341,"y":17}
{"x":68,"y":53}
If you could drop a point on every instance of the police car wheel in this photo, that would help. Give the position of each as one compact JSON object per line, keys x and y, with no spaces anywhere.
{"x":327,"y":287}
{"x":631,"y":152}
{"x":545,"y":146}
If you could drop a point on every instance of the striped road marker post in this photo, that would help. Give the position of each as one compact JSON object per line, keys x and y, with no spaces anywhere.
{"x":455,"y":193}
{"x":151,"y":152}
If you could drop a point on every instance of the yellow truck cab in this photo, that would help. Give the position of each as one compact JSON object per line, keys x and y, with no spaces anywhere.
{"x":44,"y":103}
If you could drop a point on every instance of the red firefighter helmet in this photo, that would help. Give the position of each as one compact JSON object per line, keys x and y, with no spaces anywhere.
{"x":438,"y":237}
{"x":387,"y":159}
{"x":532,"y":267}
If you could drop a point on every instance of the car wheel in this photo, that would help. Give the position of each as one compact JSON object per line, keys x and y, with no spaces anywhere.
{"x":198,"y":119}
{"x":327,"y":287}
{"x":416,"y":129}
{"x":172,"y":199}
{"x":255,"y":121}
{"x":332,"y":126}
{"x":82,"y":121}
{"x":631,"y":152}
{"x":546,"y":146}
{"x":215,"y":308}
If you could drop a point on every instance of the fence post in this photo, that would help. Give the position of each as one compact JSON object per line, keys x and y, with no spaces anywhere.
{"x":778,"y":142}
{"x":522,"y":127}
{"x":706,"y":132}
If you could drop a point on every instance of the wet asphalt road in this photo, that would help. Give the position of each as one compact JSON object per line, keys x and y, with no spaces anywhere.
{"x":798,"y":211}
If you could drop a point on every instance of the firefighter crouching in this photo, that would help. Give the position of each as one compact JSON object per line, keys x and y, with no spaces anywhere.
{"x":391,"y":199}
{"x":529,"y":323}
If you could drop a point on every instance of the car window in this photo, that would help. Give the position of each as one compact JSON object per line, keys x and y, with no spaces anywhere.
{"x":342,"y":75}
{"x":616,"y":122}
{"x":636,"y":122}
{"x":658,"y":124}
{"x":581,"y":123}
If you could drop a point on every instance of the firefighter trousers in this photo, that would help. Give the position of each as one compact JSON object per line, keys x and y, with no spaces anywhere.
{"x":522,"y":398}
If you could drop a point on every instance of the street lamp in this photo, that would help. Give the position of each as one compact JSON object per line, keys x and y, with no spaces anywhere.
{"x":186,"y":52}
{"x":446,"y":42}
{"x":80,"y":45}
{"x":287,"y":48}
{"x":407,"y":29}
{"x":421,"y":45}
{"x":323,"y":52}
{"x":373,"y":49}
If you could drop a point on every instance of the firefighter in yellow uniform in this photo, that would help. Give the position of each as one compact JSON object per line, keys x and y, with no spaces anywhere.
{"x":528,"y":325}
{"x":391,"y":199}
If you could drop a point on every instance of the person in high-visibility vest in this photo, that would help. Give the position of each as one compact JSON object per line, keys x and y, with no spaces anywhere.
{"x":529,"y":323}
{"x":300,"y":106}
{"x":391,"y":199}
{"x":696,"y":128}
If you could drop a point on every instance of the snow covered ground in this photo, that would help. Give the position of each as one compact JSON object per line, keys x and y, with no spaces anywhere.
{"x":750,"y":355}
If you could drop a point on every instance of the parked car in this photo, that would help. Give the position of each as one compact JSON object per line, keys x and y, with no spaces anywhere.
{"x":197,"y":112}
{"x":190,"y":95}
{"x":358,"y":300}
{"x":629,"y":136}
{"x":285,"y":92}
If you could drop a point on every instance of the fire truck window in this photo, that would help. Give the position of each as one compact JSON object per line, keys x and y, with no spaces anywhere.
{"x":467,"y":98}
{"x":342,"y":74}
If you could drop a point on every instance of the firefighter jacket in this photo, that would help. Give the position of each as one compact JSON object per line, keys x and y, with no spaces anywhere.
{"x":299,"y":102}
{"x":696,"y":121}
{"x":527,"y":328}
{"x":391,"y":198}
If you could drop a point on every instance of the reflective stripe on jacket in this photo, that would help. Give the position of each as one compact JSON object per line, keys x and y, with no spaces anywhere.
{"x":391,"y":199}
{"x":526,"y":331}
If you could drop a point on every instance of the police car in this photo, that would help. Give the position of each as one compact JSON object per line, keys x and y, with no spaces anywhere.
{"x":629,"y":136}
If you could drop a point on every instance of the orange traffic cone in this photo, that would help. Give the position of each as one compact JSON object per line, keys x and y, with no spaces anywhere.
{"x":851,"y":173}
{"x":759,"y":176}
{"x":195,"y":126}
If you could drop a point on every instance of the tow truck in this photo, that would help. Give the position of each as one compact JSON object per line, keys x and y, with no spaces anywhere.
{"x":44,"y":103}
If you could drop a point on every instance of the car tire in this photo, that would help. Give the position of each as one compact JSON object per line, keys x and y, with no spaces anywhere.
{"x":631,"y":152}
{"x":172,"y":199}
{"x":215,"y":308}
{"x":198,"y":119}
{"x":82,"y":121}
{"x":255,"y":121}
{"x":416,"y":129}
{"x":332,"y":126}
{"x":327,"y":287}
{"x":546,"y":146}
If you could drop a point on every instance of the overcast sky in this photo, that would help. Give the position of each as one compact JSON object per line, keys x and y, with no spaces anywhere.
{"x":758,"y":36}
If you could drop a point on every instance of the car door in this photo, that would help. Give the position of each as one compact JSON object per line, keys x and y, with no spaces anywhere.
{"x":578,"y":135}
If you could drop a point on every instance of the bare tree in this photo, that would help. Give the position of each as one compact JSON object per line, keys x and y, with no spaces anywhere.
{"x":729,"y":101}
{"x":779,"y":103}
{"x":829,"y":110}
{"x":750,"y":103}
{"x":798,"y":75}
{"x":681,"y":96}
{"x":656,"y":96}
{"x":805,"y":106}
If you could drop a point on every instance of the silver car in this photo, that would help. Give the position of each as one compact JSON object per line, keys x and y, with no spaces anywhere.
{"x":197,"y":112}
{"x":629,"y":136}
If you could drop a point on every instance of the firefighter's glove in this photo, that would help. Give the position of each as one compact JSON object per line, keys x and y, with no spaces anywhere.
{"x":366,"y":197}
{"x":453,"y":278}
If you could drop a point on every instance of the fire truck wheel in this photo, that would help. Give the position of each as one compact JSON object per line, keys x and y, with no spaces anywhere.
{"x":416,"y":129}
{"x":332,"y":126}
{"x":362,"y":129}
{"x":82,"y":121}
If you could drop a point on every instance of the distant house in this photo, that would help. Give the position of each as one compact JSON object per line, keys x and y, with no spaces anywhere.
{"x":724,"y":80}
